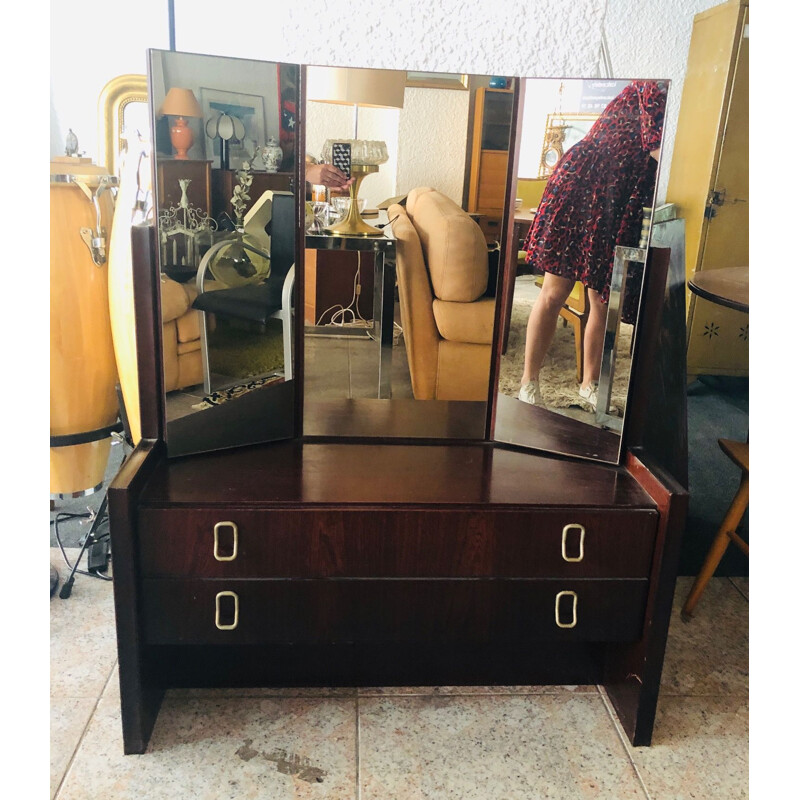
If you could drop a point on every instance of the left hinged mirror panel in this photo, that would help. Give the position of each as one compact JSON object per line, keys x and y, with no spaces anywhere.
{"x":224,"y":182}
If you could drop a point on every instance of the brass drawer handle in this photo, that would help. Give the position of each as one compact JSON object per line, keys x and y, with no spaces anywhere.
{"x":565,"y":534}
{"x":574,"y":622}
{"x":235,"y":622}
{"x":235,"y":528}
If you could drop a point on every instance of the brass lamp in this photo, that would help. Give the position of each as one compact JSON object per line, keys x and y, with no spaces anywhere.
{"x":181,"y":103}
{"x":371,"y":88}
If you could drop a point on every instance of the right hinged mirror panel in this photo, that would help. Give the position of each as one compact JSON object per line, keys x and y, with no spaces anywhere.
{"x":586,"y":163}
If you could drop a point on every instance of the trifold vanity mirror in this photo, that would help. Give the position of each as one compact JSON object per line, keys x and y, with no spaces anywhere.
{"x":225,"y":208}
{"x":414,"y":327}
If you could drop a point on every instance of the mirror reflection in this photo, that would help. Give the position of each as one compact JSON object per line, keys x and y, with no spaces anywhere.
{"x":224,"y":133}
{"x":556,"y":374}
{"x":402,"y":257}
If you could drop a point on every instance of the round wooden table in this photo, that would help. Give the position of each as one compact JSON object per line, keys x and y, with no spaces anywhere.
{"x":728,"y":286}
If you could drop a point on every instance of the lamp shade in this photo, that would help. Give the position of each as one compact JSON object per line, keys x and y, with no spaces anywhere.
{"x":371,"y":88}
{"x":225,"y":127}
{"x":181,"y":103}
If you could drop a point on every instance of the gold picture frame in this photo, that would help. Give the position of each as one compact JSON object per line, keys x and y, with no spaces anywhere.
{"x":115,"y":96}
{"x":560,"y":133}
{"x":437,"y":80}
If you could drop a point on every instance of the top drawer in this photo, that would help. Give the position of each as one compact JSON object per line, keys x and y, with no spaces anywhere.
{"x":248,"y":543}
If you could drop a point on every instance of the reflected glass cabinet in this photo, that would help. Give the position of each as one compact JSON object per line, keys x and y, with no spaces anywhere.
{"x":294,"y":560}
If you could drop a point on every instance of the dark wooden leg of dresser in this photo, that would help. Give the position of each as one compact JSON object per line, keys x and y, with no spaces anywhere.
{"x":633,"y":672}
{"x":139,"y":701}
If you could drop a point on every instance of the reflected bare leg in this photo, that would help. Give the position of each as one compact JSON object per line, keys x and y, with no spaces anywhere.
{"x":542,"y":323}
{"x":593,"y":338}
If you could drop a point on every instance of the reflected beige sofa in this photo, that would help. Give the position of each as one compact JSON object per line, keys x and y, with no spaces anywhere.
{"x":183,"y":365}
{"x":442,"y":278}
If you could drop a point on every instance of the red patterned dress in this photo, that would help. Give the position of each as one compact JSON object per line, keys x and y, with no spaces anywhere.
{"x":593,"y":201}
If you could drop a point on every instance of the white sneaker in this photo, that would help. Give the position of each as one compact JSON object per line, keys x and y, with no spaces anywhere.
{"x":531,"y":393}
{"x":589,"y":394}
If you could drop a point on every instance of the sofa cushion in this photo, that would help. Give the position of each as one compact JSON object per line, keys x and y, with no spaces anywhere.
{"x":419,"y":326}
{"x":465,"y":322}
{"x":174,"y":299}
{"x":455,"y":248}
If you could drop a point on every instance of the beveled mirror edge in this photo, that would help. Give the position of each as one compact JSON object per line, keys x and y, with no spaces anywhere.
{"x":505,"y":283}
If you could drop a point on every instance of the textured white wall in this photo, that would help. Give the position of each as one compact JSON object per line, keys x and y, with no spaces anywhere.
{"x":506,"y":37}
{"x":650,"y":39}
{"x":433,"y":141}
{"x":542,"y":38}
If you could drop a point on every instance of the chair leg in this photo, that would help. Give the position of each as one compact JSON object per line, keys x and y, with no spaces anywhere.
{"x":718,"y":547}
{"x":577,"y":332}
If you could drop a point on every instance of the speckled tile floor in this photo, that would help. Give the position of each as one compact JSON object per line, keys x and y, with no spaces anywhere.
{"x":422,"y":743}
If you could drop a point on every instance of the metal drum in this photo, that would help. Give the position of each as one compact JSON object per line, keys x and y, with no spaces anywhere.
{"x":83,"y":373}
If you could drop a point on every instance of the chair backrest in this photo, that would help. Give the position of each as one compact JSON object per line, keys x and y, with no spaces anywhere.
{"x":275,"y":214}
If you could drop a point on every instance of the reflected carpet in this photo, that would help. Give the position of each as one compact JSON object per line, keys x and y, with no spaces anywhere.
{"x":558,"y":378}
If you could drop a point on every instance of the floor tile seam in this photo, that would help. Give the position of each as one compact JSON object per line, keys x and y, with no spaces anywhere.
{"x":623,"y":738}
{"x":85,"y":729}
{"x":358,"y":748}
{"x":701,"y":695}
{"x":739,"y":591}
{"x":548,"y":693}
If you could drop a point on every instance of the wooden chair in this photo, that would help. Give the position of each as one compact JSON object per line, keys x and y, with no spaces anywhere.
{"x":738,"y":452}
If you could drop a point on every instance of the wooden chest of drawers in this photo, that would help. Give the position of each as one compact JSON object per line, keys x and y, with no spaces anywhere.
{"x":476,"y":566}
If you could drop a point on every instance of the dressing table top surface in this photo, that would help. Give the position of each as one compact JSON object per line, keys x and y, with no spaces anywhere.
{"x":331,"y":474}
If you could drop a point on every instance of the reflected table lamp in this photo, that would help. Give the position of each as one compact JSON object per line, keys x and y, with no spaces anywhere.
{"x":181,"y":103}
{"x":225,"y":127}
{"x":370,"y":88}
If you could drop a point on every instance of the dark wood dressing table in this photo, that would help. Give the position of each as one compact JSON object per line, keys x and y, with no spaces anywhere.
{"x":352,"y":563}
{"x":381,"y":543}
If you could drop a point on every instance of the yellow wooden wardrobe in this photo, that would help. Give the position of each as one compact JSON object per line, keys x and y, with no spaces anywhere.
{"x":709,"y":180}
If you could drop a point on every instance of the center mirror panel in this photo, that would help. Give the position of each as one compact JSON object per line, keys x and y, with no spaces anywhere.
{"x":406,"y":177}
{"x":585,"y":186}
{"x":224,"y":179}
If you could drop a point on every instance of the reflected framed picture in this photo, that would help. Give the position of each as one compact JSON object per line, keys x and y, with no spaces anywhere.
{"x":437,"y":80}
{"x":249,"y":108}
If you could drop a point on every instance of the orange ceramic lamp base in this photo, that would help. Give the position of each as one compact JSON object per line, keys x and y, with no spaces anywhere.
{"x":181,"y":137}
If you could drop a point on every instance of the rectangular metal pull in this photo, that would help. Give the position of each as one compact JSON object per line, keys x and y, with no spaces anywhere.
{"x":235,"y":531}
{"x":217,"y":613}
{"x":565,"y":535}
{"x":574,"y":597}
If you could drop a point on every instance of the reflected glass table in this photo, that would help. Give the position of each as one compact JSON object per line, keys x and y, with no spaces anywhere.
{"x":384,"y":249}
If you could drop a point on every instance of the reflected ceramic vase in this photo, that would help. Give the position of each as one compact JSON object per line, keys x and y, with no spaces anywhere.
{"x":271,"y":155}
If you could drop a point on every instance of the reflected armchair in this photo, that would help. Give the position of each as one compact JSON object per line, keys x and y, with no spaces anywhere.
{"x":259,"y":302}
{"x":447,"y":315}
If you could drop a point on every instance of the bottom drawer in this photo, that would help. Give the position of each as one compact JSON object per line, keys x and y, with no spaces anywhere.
{"x":391,"y":611}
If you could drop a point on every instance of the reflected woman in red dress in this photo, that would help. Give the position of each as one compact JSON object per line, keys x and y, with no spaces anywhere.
{"x":592,"y":202}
